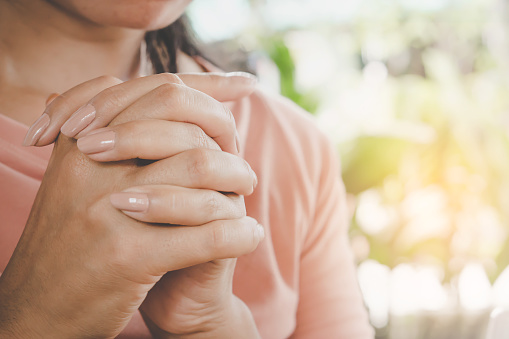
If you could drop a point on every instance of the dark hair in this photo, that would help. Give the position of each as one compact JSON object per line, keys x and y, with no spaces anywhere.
{"x":163,"y":45}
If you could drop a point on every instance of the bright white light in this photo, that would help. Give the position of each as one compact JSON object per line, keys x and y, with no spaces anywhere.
{"x":430,"y":294}
{"x":375,"y":72}
{"x":501,"y":289}
{"x":215,"y":20}
{"x":374,"y":284}
{"x":307,"y":47}
{"x":371,"y":216}
{"x":403,"y":290}
{"x":425,"y":6}
{"x":474,"y":288}
{"x":282,"y":14}
{"x":414,"y":289}
{"x":427,"y":215}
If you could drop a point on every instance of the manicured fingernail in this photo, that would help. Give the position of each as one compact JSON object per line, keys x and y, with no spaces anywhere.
{"x":130,"y":202}
{"x":36,"y":130}
{"x":260,"y":231}
{"x":97,"y":142}
{"x":78,"y":121}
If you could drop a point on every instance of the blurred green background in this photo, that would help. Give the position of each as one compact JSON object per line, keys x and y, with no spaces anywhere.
{"x":416,"y":96}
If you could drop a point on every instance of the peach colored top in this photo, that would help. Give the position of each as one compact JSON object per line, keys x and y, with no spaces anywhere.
{"x":301,"y":281}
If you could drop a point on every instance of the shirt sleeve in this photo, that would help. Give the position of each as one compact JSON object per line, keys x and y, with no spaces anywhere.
{"x":330,"y":303}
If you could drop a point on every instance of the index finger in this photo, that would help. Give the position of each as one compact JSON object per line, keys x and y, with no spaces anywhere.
{"x":106,"y":105}
{"x":221,"y":86}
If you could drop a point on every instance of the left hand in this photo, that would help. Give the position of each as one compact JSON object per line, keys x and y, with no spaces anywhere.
{"x":196,"y":301}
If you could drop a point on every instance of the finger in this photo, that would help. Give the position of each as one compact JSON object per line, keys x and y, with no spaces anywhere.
{"x":51,"y":97}
{"x":181,"y":103}
{"x":144,"y":139}
{"x":179,"y":247}
{"x":200,"y":168}
{"x":110,"y":102}
{"x":219,"y":85}
{"x":60,"y":108}
{"x":178,"y":205}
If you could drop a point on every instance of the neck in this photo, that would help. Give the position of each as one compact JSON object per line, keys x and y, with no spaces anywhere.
{"x":44,"y":50}
{"x":64,"y":50}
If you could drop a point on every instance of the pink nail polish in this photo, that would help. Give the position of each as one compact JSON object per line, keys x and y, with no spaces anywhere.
{"x":78,"y":121}
{"x":97,"y":142}
{"x":36,"y":130}
{"x":130,"y":201}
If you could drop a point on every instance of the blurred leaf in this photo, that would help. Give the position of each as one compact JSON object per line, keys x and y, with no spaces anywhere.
{"x":371,"y":160}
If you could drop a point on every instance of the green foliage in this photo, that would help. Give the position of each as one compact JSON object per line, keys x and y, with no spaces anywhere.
{"x":280,"y":54}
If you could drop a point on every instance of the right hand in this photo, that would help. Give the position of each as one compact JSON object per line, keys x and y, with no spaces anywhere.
{"x":82,"y":268}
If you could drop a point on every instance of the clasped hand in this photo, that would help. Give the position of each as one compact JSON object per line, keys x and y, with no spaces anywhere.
{"x":144,"y":210}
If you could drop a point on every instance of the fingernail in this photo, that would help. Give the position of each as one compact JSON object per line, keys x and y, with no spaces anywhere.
{"x":36,"y":130}
{"x":237,"y":141}
{"x":78,"y":121}
{"x":130,"y":202}
{"x":246,"y":75}
{"x":255,"y":178}
{"x":260,"y":232}
{"x":97,"y":142}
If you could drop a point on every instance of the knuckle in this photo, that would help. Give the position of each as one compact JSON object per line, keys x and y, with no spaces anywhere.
{"x":167,"y":93}
{"x":109,"y":98}
{"x":201,"y":139}
{"x":212,"y":205}
{"x":60,"y":105}
{"x":199,"y":164}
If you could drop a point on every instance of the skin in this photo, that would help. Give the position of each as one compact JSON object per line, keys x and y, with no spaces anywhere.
{"x":54,"y":277}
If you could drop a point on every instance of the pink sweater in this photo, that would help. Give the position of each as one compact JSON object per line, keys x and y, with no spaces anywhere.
{"x":301,"y":281}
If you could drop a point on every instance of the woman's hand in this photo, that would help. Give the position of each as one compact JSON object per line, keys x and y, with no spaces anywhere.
{"x":197,"y":301}
{"x":96,"y":102}
{"x":82,"y":268}
{"x":199,"y":298}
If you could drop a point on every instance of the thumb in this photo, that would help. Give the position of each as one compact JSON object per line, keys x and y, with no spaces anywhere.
{"x":221,"y":86}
